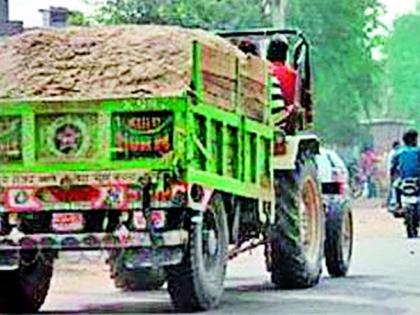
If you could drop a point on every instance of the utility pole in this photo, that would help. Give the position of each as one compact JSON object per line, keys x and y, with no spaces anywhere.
{"x":278,"y":13}
{"x":275,"y":11}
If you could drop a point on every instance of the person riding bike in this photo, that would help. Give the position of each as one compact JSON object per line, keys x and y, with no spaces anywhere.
{"x":405,"y":164}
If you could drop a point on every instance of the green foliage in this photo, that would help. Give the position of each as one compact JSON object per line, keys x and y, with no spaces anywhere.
{"x":347,"y":79}
{"x":402,"y":49}
{"x":77,"y":18}
{"x":207,"y":14}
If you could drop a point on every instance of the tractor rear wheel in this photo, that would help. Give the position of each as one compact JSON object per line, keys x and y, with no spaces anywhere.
{"x":297,"y":242}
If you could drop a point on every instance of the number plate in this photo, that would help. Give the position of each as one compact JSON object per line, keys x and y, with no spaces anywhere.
{"x":67,"y":222}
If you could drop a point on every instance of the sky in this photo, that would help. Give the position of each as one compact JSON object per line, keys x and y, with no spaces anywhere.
{"x":27,"y":10}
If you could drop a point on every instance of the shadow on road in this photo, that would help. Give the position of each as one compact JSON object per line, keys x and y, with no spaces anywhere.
{"x":140,"y":307}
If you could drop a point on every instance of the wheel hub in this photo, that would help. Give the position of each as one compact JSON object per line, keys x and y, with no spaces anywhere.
{"x":309,"y":220}
{"x":212,"y":243}
{"x":347,"y":236}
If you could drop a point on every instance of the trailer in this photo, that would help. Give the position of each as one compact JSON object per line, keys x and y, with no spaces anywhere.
{"x":171,"y":186}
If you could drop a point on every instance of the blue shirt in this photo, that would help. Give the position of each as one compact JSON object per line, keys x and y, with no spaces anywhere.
{"x":406,"y":162}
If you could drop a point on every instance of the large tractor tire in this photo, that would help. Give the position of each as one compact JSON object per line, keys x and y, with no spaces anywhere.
{"x":339,"y":240}
{"x":297,"y":241}
{"x":24,"y":290}
{"x":197,"y":283}
{"x":136,"y":279}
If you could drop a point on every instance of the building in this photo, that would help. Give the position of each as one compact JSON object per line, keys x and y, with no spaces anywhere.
{"x":55,"y":16}
{"x":385,"y":131}
{"x":7,"y":27}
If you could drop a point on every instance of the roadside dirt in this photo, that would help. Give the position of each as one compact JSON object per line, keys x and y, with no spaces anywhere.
{"x":372,"y":220}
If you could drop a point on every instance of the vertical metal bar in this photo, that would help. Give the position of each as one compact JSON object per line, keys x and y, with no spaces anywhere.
{"x":224,"y":149}
{"x":197,"y":72}
{"x":258,"y":160}
{"x":238,"y":87}
{"x":29,"y":141}
{"x":209,"y":162}
{"x":106,"y":135}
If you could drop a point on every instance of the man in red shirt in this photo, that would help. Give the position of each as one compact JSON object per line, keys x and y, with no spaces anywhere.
{"x":286,"y":76}
{"x":277,"y":54}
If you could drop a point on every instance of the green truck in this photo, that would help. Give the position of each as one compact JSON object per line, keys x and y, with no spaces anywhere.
{"x":172,"y":186}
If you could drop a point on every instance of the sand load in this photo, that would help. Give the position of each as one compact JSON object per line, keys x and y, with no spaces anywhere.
{"x":129,"y":61}
{"x":101,"y":61}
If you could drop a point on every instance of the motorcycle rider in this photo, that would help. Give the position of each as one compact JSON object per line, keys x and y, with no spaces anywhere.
{"x":405,"y":164}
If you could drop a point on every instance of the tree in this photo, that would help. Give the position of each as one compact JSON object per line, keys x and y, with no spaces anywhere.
{"x":207,"y":14}
{"x":402,"y":49}
{"x":77,"y":18}
{"x":346,"y":77}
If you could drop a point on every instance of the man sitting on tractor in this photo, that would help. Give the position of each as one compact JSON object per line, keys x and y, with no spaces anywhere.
{"x":249,"y":47}
{"x":287,"y":77}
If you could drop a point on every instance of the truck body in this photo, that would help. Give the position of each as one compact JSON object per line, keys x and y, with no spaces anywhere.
{"x":162,"y":181}
{"x":139,"y":158}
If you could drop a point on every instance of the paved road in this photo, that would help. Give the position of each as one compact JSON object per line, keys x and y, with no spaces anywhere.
{"x":384,"y":279}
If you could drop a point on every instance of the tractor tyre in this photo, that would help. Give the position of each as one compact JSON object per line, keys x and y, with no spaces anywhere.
{"x":297,"y":240}
{"x":196,"y":284}
{"x":339,"y":240}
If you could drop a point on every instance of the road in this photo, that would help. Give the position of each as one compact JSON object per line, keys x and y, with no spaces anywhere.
{"x":384,"y":279}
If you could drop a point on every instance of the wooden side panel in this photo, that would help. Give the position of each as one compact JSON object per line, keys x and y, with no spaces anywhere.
{"x":219,"y":78}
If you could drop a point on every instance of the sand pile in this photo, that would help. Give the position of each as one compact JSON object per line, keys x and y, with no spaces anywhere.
{"x":128,"y":61}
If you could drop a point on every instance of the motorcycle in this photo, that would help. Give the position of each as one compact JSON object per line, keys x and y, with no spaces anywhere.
{"x":409,"y":190}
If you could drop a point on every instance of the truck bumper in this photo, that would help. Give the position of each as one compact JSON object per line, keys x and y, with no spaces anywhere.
{"x":91,"y":241}
{"x":166,"y":248}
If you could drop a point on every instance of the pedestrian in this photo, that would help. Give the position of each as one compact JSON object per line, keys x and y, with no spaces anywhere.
{"x":369,"y":168}
{"x":391,"y":177}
